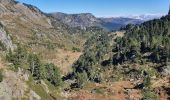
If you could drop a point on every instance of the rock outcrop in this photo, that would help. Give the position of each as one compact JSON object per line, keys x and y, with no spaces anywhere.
{"x":14,"y":86}
{"x":5,"y":39}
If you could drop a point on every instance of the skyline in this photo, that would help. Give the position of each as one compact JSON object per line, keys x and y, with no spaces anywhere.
{"x":102,"y":8}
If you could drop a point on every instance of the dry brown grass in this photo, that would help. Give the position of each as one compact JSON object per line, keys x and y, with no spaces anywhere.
{"x":63,"y":59}
{"x":161,"y":82}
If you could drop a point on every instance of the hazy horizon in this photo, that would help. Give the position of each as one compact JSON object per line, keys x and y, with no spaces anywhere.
{"x":103,"y":8}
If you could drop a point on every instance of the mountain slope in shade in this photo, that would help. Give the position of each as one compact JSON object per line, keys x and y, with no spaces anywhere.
{"x":118,"y":22}
{"x":85,"y":20}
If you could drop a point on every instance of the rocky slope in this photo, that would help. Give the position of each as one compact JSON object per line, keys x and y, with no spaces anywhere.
{"x":38,"y":33}
{"x":5,"y":39}
{"x":77,"y":20}
{"x":24,"y":21}
{"x":27,"y":25}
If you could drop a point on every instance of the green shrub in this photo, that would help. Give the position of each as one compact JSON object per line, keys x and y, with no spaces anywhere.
{"x":149,"y":95}
{"x":99,"y":90}
{"x":147,"y":82}
{"x":1,"y":76}
{"x":2,"y":46}
{"x":52,"y":74}
{"x":50,"y":45}
{"x":76,"y":49}
{"x":35,"y":66}
{"x":17,"y":57}
{"x":82,"y":78}
{"x":44,"y":71}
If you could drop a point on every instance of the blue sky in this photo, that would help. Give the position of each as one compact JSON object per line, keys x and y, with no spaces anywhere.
{"x":103,"y":7}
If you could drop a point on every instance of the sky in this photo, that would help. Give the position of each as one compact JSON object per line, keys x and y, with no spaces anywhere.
{"x":103,"y":8}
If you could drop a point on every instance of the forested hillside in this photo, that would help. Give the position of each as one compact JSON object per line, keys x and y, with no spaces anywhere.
{"x":141,"y":53}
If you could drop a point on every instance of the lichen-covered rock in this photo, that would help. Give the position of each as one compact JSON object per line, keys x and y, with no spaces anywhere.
{"x":45,"y":86}
{"x":34,"y":96}
{"x":5,"y":39}
{"x":166,"y":70}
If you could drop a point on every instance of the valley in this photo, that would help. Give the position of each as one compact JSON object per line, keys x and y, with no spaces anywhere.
{"x":59,"y":56}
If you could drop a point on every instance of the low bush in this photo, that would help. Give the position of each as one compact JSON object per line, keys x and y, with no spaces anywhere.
{"x":1,"y":76}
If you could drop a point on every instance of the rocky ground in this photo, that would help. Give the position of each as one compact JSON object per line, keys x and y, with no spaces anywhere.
{"x":14,"y":85}
{"x":122,"y":90}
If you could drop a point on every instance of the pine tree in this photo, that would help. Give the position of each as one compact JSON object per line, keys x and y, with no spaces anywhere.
{"x":53,"y":74}
{"x":35,"y":66}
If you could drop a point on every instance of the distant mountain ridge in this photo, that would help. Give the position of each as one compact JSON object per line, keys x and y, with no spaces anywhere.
{"x":84,"y":20}
{"x":115,"y":23}
{"x":146,"y":17}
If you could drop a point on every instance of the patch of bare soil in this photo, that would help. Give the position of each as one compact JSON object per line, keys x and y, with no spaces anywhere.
{"x":122,"y":90}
